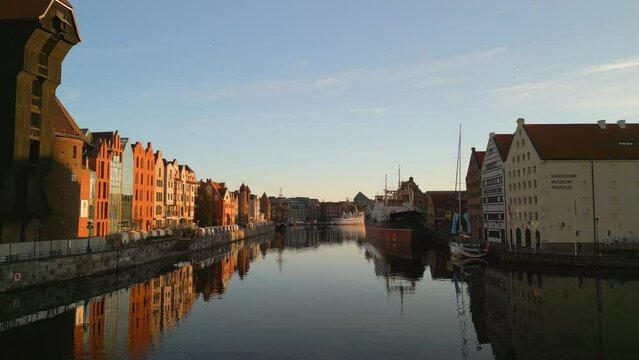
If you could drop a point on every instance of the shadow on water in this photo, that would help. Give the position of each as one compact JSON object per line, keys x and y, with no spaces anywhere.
{"x":509,"y":312}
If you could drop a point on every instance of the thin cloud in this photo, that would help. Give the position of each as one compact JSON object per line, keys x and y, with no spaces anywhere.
{"x":369,"y":110}
{"x":614,"y":66}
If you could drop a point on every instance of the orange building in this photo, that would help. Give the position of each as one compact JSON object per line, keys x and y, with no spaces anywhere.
{"x":223,"y":202}
{"x":186,"y":202}
{"x":100,"y":164}
{"x":159,"y":211}
{"x":143,"y":186}
{"x":243,"y":204}
{"x":112,"y":180}
{"x":171,"y":172}
{"x":67,"y":185}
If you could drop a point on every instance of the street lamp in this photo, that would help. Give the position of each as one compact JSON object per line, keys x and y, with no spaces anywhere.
{"x":89,"y":227}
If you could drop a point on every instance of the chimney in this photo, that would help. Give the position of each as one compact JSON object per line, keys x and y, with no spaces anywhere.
{"x":521,"y":121}
{"x":491,"y":135}
{"x":621,"y":123}
{"x":602,"y":124}
{"x":473,"y":149}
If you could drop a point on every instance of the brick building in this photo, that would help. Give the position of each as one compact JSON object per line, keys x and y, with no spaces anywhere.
{"x":143,"y":186}
{"x":159,"y":209}
{"x":67,"y":185}
{"x":35,"y":37}
{"x":265,"y":207}
{"x":473,"y":194}
{"x":441,"y":207}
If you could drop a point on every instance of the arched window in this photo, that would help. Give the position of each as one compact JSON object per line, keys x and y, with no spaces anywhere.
{"x":518,"y":237}
{"x":528,"y":238}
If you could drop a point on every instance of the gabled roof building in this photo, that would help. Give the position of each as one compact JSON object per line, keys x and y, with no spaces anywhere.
{"x":572,"y":187}
{"x":492,"y":190}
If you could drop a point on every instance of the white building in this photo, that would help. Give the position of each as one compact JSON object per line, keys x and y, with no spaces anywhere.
{"x":492,"y":190}
{"x":573,"y":185}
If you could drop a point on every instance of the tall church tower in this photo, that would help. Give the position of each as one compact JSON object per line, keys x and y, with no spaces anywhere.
{"x":35,"y":37}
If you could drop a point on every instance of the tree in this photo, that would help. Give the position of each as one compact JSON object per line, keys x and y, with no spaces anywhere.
{"x":203,"y":207}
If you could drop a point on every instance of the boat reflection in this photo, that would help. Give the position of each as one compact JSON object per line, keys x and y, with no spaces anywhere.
{"x":529,"y":314}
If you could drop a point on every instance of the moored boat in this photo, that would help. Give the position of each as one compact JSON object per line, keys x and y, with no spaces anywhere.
{"x":395,"y":218}
{"x":461,"y":245}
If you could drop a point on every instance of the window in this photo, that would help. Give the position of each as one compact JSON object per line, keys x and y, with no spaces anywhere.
{"x":75,"y":152}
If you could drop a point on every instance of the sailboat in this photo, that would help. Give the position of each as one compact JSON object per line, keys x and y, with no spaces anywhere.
{"x":461,"y":244}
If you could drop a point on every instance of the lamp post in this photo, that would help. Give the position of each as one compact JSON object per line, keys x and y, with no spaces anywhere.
{"x":89,"y":227}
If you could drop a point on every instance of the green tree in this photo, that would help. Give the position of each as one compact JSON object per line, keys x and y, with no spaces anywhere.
{"x":203,"y":208}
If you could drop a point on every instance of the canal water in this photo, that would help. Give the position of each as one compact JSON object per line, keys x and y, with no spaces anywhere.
{"x":325,"y":294}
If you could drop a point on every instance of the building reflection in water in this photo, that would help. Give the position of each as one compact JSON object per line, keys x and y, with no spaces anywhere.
{"x":519,"y":314}
{"x":536,"y":315}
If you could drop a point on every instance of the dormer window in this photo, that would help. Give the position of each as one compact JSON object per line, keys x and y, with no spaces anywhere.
{"x":60,"y":22}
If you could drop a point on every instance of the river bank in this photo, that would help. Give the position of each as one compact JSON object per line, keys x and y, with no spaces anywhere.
{"x":30,"y":273}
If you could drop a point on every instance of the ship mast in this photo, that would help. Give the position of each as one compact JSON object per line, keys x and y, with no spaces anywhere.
{"x":458,"y":180}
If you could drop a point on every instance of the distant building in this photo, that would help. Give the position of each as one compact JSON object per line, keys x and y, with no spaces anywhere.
{"x":441,"y":207}
{"x":223,"y":202}
{"x":265,"y":207}
{"x":573,"y":184}
{"x":172,"y":192}
{"x":36,"y":35}
{"x":493,"y":190}
{"x":473,"y":194}
{"x":189,"y":184}
{"x":243,"y":201}
{"x":159,"y":209}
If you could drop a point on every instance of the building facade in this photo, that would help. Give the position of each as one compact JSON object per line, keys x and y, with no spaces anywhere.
{"x":100,"y":165}
{"x":159,"y":209}
{"x":128,"y":162}
{"x":493,"y":190}
{"x":113,"y":159}
{"x":143,"y":186}
{"x":441,"y":207}
{"x":35,"y":38}
{"x":172,"y":171}
{"x":265,"y":207}
{"x":572,"y":186}
{"x":243,"y":202}
{"x":67,"y":185}
{"x":473,"y":194}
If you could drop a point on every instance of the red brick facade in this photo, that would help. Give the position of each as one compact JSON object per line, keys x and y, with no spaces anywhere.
{"x":143,"y":186}
{"x":473,"y":194}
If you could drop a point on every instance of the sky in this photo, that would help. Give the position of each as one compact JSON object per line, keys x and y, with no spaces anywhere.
{"x":324,"y":98}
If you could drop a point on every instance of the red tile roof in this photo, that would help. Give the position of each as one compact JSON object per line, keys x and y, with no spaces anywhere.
{"x":63,"y":123}
{"x":26,"y":9}
{"x":503,"y":141}
{"x":584,"y":141}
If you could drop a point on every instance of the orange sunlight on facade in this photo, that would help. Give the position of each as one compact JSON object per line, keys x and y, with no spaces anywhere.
{"x":143,"y":186}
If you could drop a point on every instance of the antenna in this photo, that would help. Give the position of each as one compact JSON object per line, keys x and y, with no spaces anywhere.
{"x":399,"y":176}
{"x":280,"y":191}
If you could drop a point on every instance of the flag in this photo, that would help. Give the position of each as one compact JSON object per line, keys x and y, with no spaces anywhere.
{"x":454,"y":229}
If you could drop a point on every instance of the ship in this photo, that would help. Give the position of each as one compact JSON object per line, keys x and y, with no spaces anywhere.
{"x":395,"y":218}
{"x":355,"y":218}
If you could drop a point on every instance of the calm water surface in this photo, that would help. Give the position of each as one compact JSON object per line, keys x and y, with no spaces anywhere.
{"x":324,"y":294}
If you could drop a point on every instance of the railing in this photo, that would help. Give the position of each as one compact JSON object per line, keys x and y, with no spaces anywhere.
{"x":26,"y":251}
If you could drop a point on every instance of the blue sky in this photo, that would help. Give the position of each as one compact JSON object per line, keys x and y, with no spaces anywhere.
{"x":323,"y":98}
